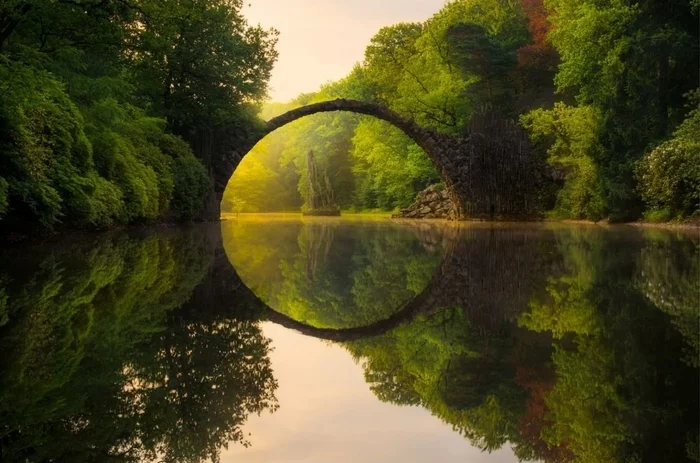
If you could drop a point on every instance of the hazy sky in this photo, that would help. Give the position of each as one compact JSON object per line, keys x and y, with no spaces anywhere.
{"x":321,"y":40}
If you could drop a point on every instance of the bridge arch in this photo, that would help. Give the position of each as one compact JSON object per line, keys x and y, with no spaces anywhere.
{"x":440,"y":148}
{"x":488,"y":174}
{"x":229,"y":286}
{"x":424,"y":137}
{"x":485,"y":271}
{"x":489,"y":273}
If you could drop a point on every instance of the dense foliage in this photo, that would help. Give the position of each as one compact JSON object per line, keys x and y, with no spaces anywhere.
{"x":112,"y":111}
{"x":596,"y":83}
{"x":97,"y":99}
{"x":628,"y":66}
{"x":669,"y":175}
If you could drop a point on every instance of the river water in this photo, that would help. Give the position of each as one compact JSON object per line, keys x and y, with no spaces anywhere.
{"x":282,"y":339}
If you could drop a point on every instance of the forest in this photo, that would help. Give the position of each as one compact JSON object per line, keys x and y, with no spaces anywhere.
{"x":607,"y":91}
{"x":111,"y":111}
{"x":104,"y":105}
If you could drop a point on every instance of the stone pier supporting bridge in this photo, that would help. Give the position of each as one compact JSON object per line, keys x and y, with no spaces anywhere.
{"x":487,"y":174}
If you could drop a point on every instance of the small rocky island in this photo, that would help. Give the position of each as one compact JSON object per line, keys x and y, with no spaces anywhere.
{"x":321,"y":199}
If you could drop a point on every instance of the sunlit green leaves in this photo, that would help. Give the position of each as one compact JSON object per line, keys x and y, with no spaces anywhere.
{"x":669,"y":175}
{"x":571,"y":136}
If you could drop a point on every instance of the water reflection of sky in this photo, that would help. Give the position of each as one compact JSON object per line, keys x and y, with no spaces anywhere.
{"x":328,"y":414}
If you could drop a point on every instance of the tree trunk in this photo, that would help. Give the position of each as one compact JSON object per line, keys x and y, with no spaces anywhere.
{"x":662,"y":91}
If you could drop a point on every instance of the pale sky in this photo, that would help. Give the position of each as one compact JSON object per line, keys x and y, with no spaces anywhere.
{"x":321,"y":40}
{"x":328,"y":414}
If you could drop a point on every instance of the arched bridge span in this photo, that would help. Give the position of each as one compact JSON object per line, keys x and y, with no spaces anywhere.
{"x":487,"y":173}
{"x":427,"y":139}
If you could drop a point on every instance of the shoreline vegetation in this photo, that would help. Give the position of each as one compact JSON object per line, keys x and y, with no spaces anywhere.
{"x":114,"y":113}
{"x":693,"y":225}
{"x":111,"y":111}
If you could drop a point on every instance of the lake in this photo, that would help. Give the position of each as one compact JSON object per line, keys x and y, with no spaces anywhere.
{"x":281,"y":338}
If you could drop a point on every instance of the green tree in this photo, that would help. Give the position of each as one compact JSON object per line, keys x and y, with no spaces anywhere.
{"x":632,"y":62}
{"x":200,"y":60}
{"x":669,"y":175}
{"x":254,"y":187}
{"x":481,"y":55}
{"x":93,"y":93}
{"x":389,"y":168}
{"x":571,"y":136}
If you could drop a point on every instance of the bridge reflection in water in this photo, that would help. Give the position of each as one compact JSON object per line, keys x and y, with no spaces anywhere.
{"x":565,"y":343}
{"x":489,"y":272}
{"x":521,"y":334}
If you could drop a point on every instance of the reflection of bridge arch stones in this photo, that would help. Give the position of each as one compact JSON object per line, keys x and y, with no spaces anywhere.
{"x":487,"y":174}
{"x":490,"y":273}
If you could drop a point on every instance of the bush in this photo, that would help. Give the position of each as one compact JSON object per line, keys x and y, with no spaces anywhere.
{"x":156,"y":171}
{"x":191,"y":184}
{"x":669,"y":178}
{"x":669,"y":175}
{"x":118,"y":167}
{"x":44,"y":153}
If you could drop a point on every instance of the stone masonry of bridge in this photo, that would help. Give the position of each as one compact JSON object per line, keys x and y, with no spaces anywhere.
{"x":488,"y":174}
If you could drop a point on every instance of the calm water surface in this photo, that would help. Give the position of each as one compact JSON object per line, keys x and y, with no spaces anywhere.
{"x":277,"y":339}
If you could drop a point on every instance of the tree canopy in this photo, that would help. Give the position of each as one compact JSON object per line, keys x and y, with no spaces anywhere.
{"x":115,"y":112}
{"x":102,"y":101}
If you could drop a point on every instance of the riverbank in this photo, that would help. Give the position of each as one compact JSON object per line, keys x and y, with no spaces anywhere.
{"x":41,"y":235}
{"x":689,"y":224}
{"x":686,"y":225}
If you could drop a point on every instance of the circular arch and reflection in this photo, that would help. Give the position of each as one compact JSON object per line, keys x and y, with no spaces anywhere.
{"x":336,"y":280}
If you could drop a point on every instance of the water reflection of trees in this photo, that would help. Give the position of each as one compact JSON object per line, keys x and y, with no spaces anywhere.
{"x":329,"y":274}
{"x":585,"y":353}
{"x":669,"y":276}
{"x":566,"y":343}
{"x":107,"y":357}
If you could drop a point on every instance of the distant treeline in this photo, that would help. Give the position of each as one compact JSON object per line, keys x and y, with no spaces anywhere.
{"x":608,"y":91}
{"x":101,"y":102}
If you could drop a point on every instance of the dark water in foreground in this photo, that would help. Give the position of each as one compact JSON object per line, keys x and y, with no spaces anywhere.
{"x":346,"y":340}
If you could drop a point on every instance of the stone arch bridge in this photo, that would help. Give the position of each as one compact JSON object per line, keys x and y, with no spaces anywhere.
{"x":488,"y":173}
